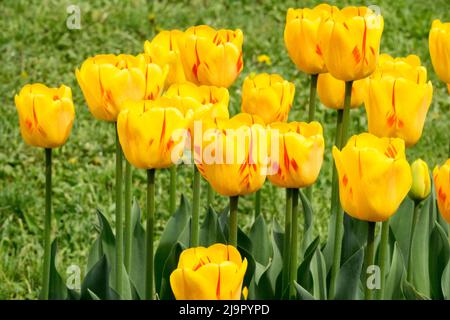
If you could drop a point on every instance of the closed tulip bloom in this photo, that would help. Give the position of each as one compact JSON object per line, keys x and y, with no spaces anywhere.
{"x":350,"y":41}
{"x":213,"y":273}
{"x":212,"y":57}
{"x":232,"y":155}
{"x":299,"y":156}
{"x":149,"y":134}
{"x":442,"y":185}
{"x":331,"y":91}
{"x":439,"y":43}
{"x":107,"y":81}
{"x":374,"y":176}
{"x":398,"y":99}
{"x":164,"y":50}
{"x":302,"y":39}
{"x":268,"y":96}
{"x":45,"y":114}
{"x":421,"y":184}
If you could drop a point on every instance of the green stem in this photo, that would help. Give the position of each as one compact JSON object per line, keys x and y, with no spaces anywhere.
{"x":369,"y":257}
{"x":210,"y":195}
{"x":128,"y":233}
{"x":233,"y":231}
{"x":287,"y":240}
{"x":340,"y":138}
{"x":47,"y":224}
{"x":411,"y":239}
{"x":149,"y":234}
{"x":294,"y":245}
{"x":311,"y":117}
{"x":119,"y":218}
{"x":173,"y":189}
{"x":384,"y":246}
{"x":257,"y":203}
{"x":195,"y":209}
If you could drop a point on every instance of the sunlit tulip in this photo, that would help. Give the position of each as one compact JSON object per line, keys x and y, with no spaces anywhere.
{"x":439,"y":43}
{"x":442,"y":185}
{"x":212,"y":57}
{"x":164,"y":50}
{"x":331,"y":91}
{"x":232,"y":154}
{"x":45,"y":114}
{"x":299,"y":156}
{"x":268,"y":96}
{"x":398,"y":99}
{"x":421,"y":184}
{"x":349,"y":40}
{"x":107,"y":81}
{"x":149,"y":134}
{"x":301,"y":37}
{"x":374,"y":176}
{"x":213,"y":273}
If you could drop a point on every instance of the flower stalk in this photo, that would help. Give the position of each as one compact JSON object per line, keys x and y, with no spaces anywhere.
{"x":149,"y":234}
{"x":128,"y":232}
{"x":294,"y":245}
{"x":384,"y":246}
{"x":195,"y":208}
{"x":257,"y":203}
{"x":411,"y":238}
{"x":47,"y":224}
{"x":233,"y":228}
{"x":173,"y":189}
{"x":369,"y":257}
{"x":119,"y":218}
{"x":287,"y":240}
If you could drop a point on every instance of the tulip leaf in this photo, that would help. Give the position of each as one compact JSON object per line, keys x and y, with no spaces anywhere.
{"x":328,"y":250}
{"x":176,"y":229}
{"x":355,"y":236}
{"x":439,"y":255}
{"x":304,"y":276}
{"x":137,"y":268}
{"x":170,"y":265}
{"x":411,"y":293}
{"x":251,"y":267}
{"x":446,"y":282}
{"x":278,"y":235}
{"x":260,"y":235}
{"x":97,"y":281}
{"x":57,"y":289}
{"x":319,"y":275}
{"x":308,"y":222}
{"x":349,"y":276}
{"x":400,"y":225}
{"x":302,"y":293}
{"x":395,"y":275}
{"x":210,"y":231}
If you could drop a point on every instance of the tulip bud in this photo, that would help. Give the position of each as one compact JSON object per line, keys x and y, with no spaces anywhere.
{"x":421,"y":185}
{"x":442,"y":187}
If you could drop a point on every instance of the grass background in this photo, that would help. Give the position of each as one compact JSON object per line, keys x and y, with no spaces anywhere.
{"x":36,"y":46}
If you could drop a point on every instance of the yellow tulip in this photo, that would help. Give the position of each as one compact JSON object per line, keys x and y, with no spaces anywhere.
{"x":439,"y":43}
{"x":45,"y":114}
{"x":213,"y":273}
{"x":421,"y":184}
{"x":298,"y":159}
{"x":374,"y":176}
{"x":331,"y":91}
{"x":301,"y":37}
{"x":349,"y":40}
{"x":212,"y":57}
{"x":107,"y":81}
{"x":442,"y":185}
{"x":150,"y":136}
{"x":268,"y":96}
{"x":164,"y":50}
{"x":231,"y":154}
{"x":398,"y":98}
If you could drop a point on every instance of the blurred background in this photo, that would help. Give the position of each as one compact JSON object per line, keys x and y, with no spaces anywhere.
{"x":36,"y":45}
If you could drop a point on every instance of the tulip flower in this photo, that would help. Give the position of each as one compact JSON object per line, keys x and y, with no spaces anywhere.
{"x":442,"y":185}
{"x":421,"y":184}
{"x":164,"y":50}
{"x":45,"y":114}
{"x":213,"y":273}
{"x":107,"y":81}
{"x":45,"y":117}
{"x":398,"y":99}
{"x":349,"y":40}
{"x":212,"y":57}
{"x":151,"y":137}
{"x":331,"y":91}
{"x":231,"y":158}
{"x":294,"y":164}
{"x":268,"y":96}
{"x":439,"y":43}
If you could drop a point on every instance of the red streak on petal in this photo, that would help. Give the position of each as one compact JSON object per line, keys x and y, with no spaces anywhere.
{"x":345,"y":180}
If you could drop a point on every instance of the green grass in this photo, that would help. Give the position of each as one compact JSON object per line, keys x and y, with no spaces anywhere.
{"x":36,"y":46}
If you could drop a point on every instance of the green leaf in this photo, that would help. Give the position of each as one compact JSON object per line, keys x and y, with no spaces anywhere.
{"x":170,"y":265}
{"x":395,"y":276}
{"x":176,"y":230}
{"x":250,"y":267}
{"x":401,"y":226}
{"x":210,"y":231}
{"x":355,"y":236}
{"x":260,"y":235}
{"x":439,"y":255}
{"x":328,"y":250}
{"x":304,"y":276}
{"x":409,"y":292}
{"x":137,"y":268}
{"x":97,"y":281}
{"x":278,"y":235}
{"x":57,"y":289}
{"x":446,"y":282}
{"x":308,"y":224}
{"x":319,"y":275}
{"x":302,"y":293}
{"x":349,"y":276}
